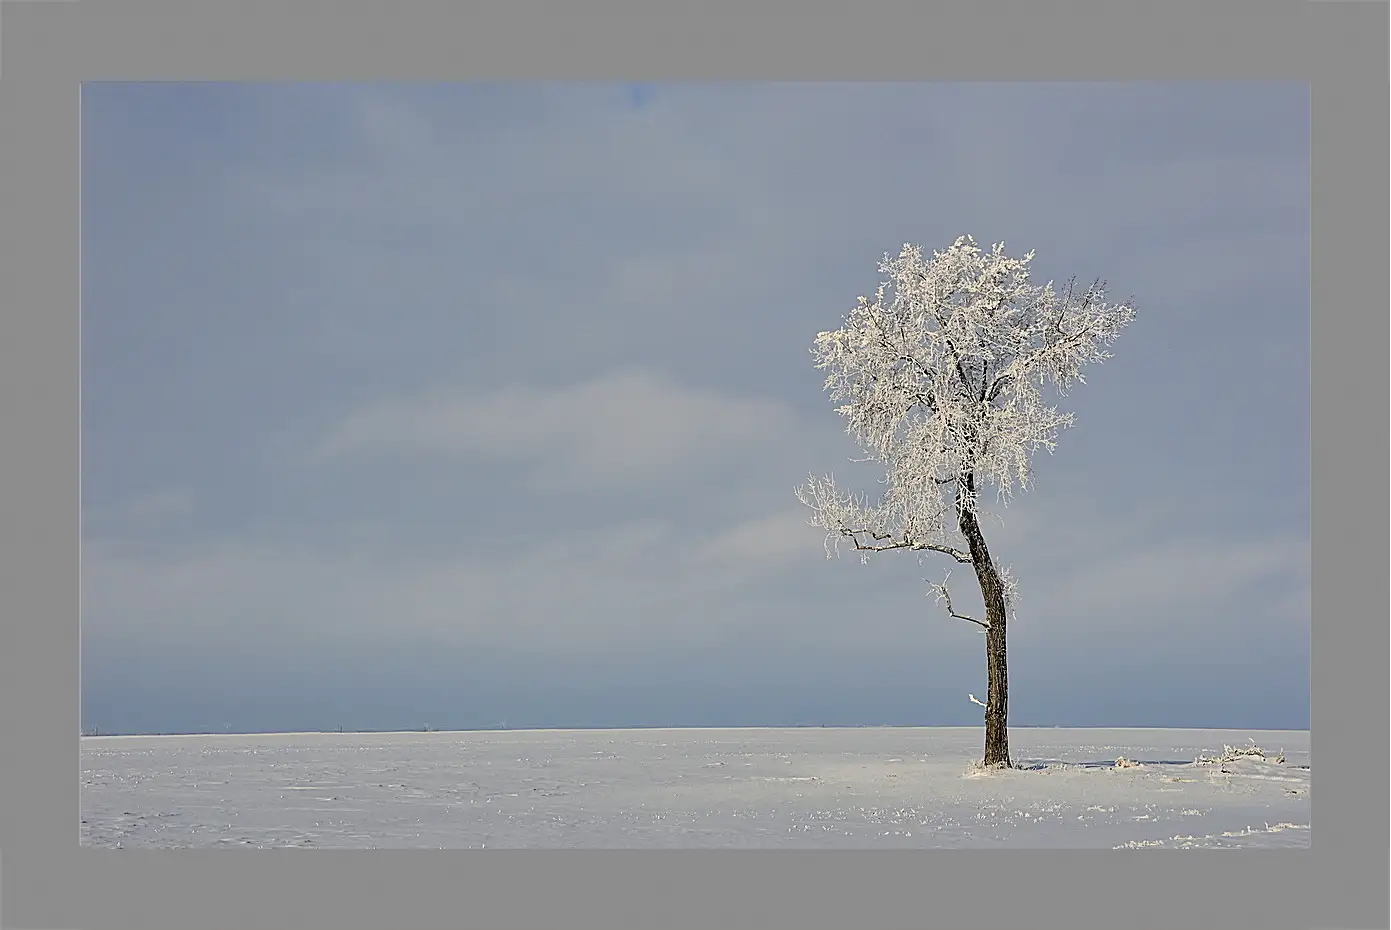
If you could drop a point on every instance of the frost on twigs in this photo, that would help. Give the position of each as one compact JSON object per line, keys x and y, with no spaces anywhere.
{"x":944,"y":597}
{"x":1233,"y":753}
{"x":1009,"y":591}
{"x":940,"y":378}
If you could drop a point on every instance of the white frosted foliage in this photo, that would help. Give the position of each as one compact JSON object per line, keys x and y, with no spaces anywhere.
{"x":941,"y":379}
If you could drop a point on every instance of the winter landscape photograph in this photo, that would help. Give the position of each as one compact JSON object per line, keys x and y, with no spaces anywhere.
{"x":732,"y":466}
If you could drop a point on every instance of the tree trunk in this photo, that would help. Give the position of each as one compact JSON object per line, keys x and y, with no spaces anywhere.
{"x":992,"y":590}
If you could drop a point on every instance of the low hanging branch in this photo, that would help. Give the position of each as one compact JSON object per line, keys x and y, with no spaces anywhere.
{"x":886,"y":542}
{"x":940,"y":379}
{"x":945,"y":596}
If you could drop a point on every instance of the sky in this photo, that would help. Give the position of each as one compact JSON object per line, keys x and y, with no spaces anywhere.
{"x":483,"y":405}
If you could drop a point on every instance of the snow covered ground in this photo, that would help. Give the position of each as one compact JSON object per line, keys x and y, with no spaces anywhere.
{"x":804,"y":787}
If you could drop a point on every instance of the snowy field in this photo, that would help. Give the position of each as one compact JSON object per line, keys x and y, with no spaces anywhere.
{"x":804,"y":788}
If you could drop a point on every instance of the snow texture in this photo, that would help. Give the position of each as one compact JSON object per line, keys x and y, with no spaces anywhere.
{"x":825,"y":788}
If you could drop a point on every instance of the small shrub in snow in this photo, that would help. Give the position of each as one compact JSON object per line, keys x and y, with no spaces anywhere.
{"x":1233,"y":753}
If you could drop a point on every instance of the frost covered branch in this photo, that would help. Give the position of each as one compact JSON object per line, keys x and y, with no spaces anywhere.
{"x":1010,"y":588}
{"x":869,"y":529}
{"x":881,"y":545}
{"x":975,"y":701}
{"x":945,"y":597}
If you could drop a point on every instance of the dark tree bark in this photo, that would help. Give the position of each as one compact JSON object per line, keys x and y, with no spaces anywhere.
{"x":992,"y":590}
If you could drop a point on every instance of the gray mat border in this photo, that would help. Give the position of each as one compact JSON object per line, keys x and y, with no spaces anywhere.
{"x":46,"y":49}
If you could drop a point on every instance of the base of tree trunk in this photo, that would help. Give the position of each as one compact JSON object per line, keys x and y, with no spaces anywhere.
{"x":997,"y":700}
{"x":992,"y":591}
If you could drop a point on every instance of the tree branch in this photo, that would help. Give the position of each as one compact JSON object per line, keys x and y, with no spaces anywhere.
{"x":944,"y":596}
{"x":902,"y":353}
{"x":1000,"y":381}
{"x":960,"y":369}
{"x":881,"y":545}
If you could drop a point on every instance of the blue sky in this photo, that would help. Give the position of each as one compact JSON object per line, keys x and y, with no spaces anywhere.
{"x":457,"y":405}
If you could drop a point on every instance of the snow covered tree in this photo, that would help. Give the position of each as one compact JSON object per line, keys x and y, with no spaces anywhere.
{"x":941,"y":379}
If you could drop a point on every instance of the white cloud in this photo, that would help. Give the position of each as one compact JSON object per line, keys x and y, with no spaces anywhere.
{"x":614,"y":429}
{"x":632,"y":581}
{"x":645,"y":585}
{"x":1202,"y":575}
{"x":765,"y":543}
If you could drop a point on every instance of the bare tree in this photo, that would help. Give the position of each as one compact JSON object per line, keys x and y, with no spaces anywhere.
{"x":941,"y":376}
